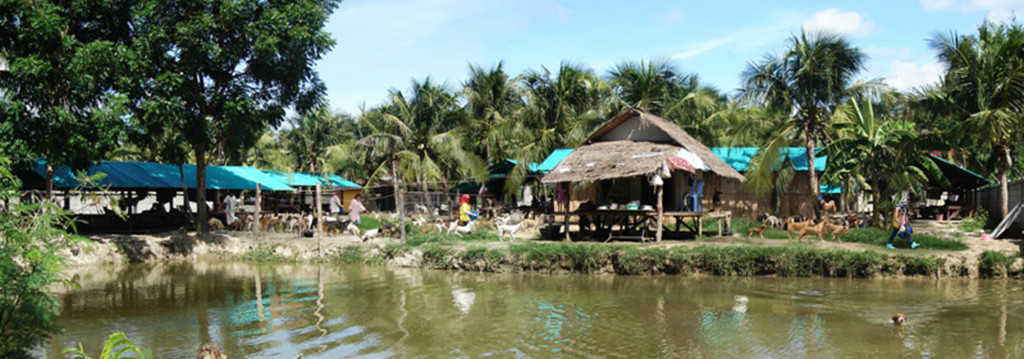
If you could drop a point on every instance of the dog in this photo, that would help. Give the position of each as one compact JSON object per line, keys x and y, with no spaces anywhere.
{"x":836,"y":229}
{"x":215,"y":224}
{"x":460,"y":230}
{"x":758,"y":230}
{"x":772,"y":221}
{"x":792,"y":226}
{"x":899,"y":319}
{"x":828,"y":207}
{"x":509,"y":229}
{"x":815,"y":229}
{"x":210,"y":351}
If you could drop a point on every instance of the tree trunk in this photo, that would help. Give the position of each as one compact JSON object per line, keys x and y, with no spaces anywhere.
{"x":49,"y":181}
{"x":1004,"y":187}
{"x":259,"y":206}
{"x":184,"y":190}
{"x":661,"y":212}
{"x":426,"y":196}
{"x":399,"y":203}
{"x":319,"y":219}
{"x":812,"y":176}
{"x":876,"y":199}
{"x":203,"y":225}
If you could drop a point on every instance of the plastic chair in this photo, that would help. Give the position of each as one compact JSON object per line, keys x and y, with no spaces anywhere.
{"x":694,"y":196}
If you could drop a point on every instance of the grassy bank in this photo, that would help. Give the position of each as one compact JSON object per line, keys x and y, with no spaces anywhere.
{"x":867,"y":235}
{"x":786,"y":261}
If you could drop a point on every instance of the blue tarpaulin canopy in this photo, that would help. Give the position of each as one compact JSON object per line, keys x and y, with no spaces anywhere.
{"x":739,"y":157}
{"x":552,"y":160}
{"x":148,"y":175}
{"x":301,"y":179}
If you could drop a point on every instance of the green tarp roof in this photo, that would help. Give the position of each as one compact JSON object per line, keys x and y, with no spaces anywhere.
{"x":149,"y":175}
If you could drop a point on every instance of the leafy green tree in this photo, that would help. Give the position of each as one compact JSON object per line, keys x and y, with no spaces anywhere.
{"x":868,"y":144}
{"x":33,"y":236}
{"x":61,"y":64}
{"x":807,"y":82}
{"x":311,"y":135}
{"x":653,"y":86}
{"x":984,"y":87}
{"x":493,"y":101}
{"x":269,"y":152}
{"x":222,"y":72}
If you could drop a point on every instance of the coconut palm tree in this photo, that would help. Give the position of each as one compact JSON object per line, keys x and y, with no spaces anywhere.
{"x":416,"y":138}
{"x":653,"y":86}
{"x":269,"y":152}
{"x":807,"y":83}
{"x":311,"y":135}
{"x":493,"y":100}
{"x":984,"y":85}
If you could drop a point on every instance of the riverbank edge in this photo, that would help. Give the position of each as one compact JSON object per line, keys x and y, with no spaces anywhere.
{"x":719,"y":259}
{"x":738,"y":260}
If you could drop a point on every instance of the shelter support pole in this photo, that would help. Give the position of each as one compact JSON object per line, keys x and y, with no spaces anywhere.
{"x":67,"y":200}
{"x":565,"y":213}
{"x":661,"y":212}
{"x":319,"y":220}
{"x":259,"y":204}
{"x":700,"y":226}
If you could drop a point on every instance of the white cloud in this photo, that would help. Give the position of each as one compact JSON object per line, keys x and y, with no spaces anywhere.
{"x":936,"y":5}
{"x":846,"y":23}
{"x":906,"y":75}
{"x":1000,"y":10}
{"x":997,"y":10}
{"x":702,"y":47}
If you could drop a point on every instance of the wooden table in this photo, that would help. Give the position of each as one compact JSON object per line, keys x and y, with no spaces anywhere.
{"x":639,"y":221}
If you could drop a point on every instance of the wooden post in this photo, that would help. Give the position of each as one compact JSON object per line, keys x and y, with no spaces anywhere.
{"x":661,"y":211}
{"x":319,"y":221}
{"x":259,"y":206}
{"x":565,"y":212}
{"x":700,"y":226}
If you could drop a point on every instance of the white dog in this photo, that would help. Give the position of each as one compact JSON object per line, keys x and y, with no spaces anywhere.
{"x":460,"y":230}
{"x":772,"y":221}
{"x":509,"y":229}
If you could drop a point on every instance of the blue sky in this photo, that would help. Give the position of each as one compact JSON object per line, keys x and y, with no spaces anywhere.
{"x":384,"y":44}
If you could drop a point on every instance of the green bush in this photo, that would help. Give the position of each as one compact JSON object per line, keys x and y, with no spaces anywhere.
{"x":350,"y":255}
{"x":31,"y":237}
{"x":994,"y":264}
{"x":117,"y":346}
{"x":976,"y":223}
{"x":878,"y":237}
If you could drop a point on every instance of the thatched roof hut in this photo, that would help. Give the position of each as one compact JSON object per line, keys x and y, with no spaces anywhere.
{"x":636,"y":143}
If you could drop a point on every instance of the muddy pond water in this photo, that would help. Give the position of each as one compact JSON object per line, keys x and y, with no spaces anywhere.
{"x":338,"y":311}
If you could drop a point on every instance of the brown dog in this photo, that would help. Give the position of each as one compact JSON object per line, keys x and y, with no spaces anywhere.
{"x":796,"y":227}
{"x":758,"y":230}
{"x":836,"y":229}
{"x":815,"y":229}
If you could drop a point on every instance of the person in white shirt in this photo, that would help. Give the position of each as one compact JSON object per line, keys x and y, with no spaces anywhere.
{"x":230,"y":206}
{"x":355,"y":208}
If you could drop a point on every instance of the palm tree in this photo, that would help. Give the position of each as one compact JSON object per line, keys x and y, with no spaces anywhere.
{"x":868,"y":144}
{"x":269,"y":152}
{"x":561,"y":109}
{"x":807,"y":83}
{"x":416,"y":138}
{"x":311,"y":135}
{"x":653,"y":86}
{"x":984,"y":84}
{"x":492,"y":100}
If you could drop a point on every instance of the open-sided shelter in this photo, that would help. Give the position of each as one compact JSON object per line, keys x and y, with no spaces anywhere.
{"x":618,"y":163}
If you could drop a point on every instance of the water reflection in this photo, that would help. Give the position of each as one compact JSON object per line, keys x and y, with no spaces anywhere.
{"x":342,"y":311}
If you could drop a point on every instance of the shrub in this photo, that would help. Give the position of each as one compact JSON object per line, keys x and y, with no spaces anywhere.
{"x":350,"y":255}
{"x":994,"y":264}
{"x":117,"y":346}
{"x":976,"y":223}
{"x":31,"y":238}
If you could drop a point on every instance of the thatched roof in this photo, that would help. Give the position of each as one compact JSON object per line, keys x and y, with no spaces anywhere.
{"x":679,"y":138}
{"x":611,"y":159}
